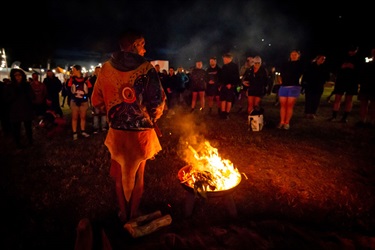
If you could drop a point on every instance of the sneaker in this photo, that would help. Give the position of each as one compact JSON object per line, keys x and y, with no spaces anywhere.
{"x":280,"y":125}
{"x":75,"y":136}
{"x":104,"y":129}
{"x":286,"y":126}
{"x":96,"y":131}
{"x":84,"y":134}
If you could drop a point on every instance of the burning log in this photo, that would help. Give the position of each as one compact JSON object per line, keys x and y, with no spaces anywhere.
{"x":147,"y":224}
{"x":208,"y":172}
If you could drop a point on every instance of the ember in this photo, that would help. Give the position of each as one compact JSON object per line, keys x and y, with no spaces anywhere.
{"x":207,"y":172}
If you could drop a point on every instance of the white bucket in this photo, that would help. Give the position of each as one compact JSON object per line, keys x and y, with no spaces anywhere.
{"x":255,"y":122}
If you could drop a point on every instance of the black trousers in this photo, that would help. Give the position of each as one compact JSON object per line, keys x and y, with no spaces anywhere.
{"x":16,"y":131}
{"x":312,"y":101}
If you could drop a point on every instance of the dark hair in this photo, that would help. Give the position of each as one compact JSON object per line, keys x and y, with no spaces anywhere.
{"x":77,"y":67}
{"x":228,"y":55}
{"x":128,"y":37}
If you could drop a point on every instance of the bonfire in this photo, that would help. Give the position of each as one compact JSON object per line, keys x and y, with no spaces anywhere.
{"x":208,"y":172}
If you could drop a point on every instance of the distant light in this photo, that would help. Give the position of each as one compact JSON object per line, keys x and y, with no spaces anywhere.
{"x":368,"y":59}
{"x":269,"y":45}
{"x":4,"y":60}
{"x":262,"y":39}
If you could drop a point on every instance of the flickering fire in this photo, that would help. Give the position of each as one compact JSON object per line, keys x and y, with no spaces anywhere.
{"x":208,"y":172}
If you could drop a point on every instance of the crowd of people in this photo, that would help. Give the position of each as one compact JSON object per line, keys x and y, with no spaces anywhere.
{"x":127,"y":95}
{"x":29,"y":101}
{"x":36,"y":103}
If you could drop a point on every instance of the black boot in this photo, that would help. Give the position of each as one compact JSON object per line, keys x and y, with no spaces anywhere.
{"x":334,"y":116}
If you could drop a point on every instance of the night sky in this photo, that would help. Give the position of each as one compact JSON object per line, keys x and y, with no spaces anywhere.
{"x":64,"y":32}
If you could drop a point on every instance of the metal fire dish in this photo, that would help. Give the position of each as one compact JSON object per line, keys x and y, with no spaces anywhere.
{"x":182,"y":172}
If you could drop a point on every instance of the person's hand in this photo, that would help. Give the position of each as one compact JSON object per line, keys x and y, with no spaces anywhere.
{"x":156,"y":113}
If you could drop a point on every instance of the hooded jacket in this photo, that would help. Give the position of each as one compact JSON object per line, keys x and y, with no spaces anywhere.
{"x":134,"y":89}
{"x":128,"y":88}
{"x":19,"y":96}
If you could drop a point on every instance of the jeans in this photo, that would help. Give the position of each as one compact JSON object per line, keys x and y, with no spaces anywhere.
{"x":99,"y":120}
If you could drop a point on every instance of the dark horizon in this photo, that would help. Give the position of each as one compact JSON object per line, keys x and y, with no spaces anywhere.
{"x":184,"y":32}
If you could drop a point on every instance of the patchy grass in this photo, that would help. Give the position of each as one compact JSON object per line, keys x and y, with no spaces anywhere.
{"x":311,"y":187}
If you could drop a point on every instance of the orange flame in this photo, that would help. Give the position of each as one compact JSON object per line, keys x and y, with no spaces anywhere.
{"x":219,"y":174}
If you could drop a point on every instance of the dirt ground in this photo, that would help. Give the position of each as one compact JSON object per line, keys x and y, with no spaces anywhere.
{"x":311,"y":187}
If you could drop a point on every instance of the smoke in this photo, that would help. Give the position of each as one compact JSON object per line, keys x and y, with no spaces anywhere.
{"x":191,"y":130}
{"x":205,"y":29}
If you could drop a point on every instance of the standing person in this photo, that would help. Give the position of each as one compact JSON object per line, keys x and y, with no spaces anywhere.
{"x":313,"y":81}
{"x":183,"y":79}
{"x":64,"y":92}
{"x":229,"y":79}
{"x":256,"y":78}
{"x":366,"y":94}
{"x":129,"y":89}
{"x":19,"y":95}
{"x":346,"y":83}
{"x":99,"y":117}
{"x":290,"y":89}
{"x":40,"y":91}
{"x":213,"y":88}
{"x":79,"y":103}
{"x":54,"y":86}
{"x":198,"y":85}
{"x":242,"y":95}
{"x":171,"y":83}
{"x":161,"y":74}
